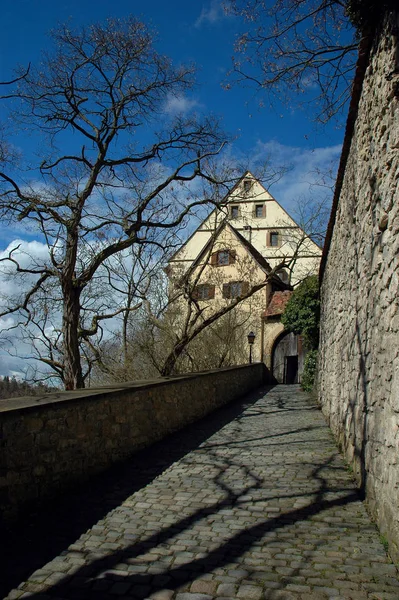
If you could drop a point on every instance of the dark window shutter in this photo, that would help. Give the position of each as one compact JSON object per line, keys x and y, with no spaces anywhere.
{"x":211,"y":292}
{"x":232,"y":256}
{"x":195,"y":293}
{"x":226,"y":290}
{"x":214,"y":258}
{"x":244,"y":288}
{"x":264,"y":211}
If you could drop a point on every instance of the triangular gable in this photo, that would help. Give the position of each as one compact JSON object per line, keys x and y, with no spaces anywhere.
{"x":262,"y":263}
{"x":227,"y":198}
{"x":276,"y":216}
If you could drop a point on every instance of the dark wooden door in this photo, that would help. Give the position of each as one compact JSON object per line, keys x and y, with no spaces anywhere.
{"x":291,"y":369}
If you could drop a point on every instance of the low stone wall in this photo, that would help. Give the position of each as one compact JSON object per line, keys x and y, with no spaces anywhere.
{"x":359,"y":349}
{"x":51,"y":442}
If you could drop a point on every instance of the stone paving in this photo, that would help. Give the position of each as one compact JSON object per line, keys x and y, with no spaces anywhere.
{"x":254,"y":502}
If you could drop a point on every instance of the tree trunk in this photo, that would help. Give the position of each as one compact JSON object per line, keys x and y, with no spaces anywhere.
{"x":125,"y":324}
{"x":170,"y":362}
{"x":124,"y":338}
{"x":73,"y":376}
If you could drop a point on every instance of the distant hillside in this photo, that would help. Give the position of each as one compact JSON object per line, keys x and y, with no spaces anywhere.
{"x":12,"y":388}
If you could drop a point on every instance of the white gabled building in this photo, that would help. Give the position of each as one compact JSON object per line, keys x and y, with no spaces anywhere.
{"x":235,"y":247}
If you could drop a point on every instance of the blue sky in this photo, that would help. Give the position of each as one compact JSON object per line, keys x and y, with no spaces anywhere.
{"x":196,"y":31}
{"x":199,"y":32}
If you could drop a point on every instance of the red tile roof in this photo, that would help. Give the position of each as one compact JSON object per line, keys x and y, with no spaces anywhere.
{"x":277,"y":303}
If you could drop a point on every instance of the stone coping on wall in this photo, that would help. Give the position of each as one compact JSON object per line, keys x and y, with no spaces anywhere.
{"x":25,"y":403}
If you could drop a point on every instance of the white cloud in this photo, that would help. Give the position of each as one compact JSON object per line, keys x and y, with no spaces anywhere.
{"x":179,"y":105}
{"x":309,"y":171}
{"x":18,"y":351}
{"x":27,"y":251}
{"x":14,"y":352}
{"x":12,"y":366}
{"x":211,"y":13}
{"x":32,"y":255}
{"x":16,"y":355}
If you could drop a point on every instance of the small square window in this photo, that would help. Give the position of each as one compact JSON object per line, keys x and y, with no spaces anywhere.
{"x":274,"y":239}
{"x":205,"y":292}
{"x":259,"y":211}
{"x":234,"y":212}
{"x":247,"y":185}
{"x":223,"y":257}
{"x":235,"y":289}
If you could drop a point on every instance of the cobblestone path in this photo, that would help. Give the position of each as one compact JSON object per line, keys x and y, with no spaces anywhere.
{"x":253,"y":502}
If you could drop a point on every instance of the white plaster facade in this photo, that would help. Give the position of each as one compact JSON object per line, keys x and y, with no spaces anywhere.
{"x":253,"y":225}
{"x":254,"y":213}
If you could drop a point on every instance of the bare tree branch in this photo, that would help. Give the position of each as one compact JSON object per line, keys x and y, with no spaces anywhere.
{"x":301,"y":51}
{"x":108,"y":194}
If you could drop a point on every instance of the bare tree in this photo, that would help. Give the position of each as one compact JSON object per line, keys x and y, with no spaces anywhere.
{"x":220,"y":345}
{"x":299,"y":50}
{"x":127,"y":170}
{"x":129,"y":281}
{"x":151,"y":342}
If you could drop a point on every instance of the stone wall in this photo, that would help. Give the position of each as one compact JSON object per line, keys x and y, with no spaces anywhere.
{"x":359,"y":352}
{"x":49,"y":443}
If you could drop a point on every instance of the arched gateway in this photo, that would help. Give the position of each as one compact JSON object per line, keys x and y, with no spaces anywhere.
{"x":287,"y":358}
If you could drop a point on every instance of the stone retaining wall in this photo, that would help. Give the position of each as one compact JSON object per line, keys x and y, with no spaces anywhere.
{"x":359,"y":351}
{"x":51,"y":442}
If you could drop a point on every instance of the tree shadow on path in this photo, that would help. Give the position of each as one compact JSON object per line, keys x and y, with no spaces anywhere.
{"x":140,"y":585}
{"x":42,"y":535}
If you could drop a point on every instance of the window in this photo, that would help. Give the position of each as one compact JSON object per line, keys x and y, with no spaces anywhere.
{"x":259,"y":211}
{"x":235,"y":289}
{"x":222,"y":258}
{"x":234,"y":212}
{"x":247,"y":185}
{"x":204,"y":291}
{"x":273,"y":239}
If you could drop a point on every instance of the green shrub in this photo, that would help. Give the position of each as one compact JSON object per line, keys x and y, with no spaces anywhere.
{"x":302,"y":313}
{"x":309,"y":370}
